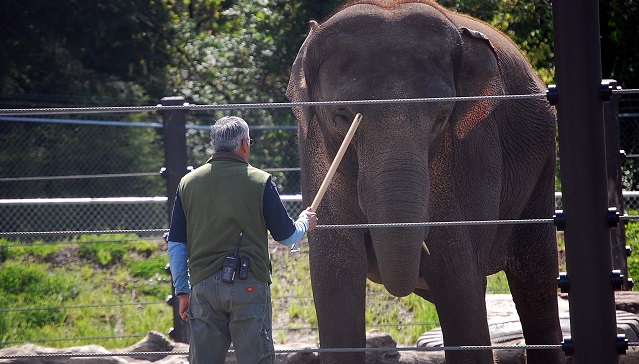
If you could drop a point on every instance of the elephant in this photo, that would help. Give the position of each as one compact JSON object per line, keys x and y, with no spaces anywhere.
{"x":416,"y":162}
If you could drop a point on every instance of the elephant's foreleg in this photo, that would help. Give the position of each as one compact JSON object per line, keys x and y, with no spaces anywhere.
{"x":457,"y":288}
{"x":532,"y":269}
{"x":338,"y":273}
{"x":532,"y":283}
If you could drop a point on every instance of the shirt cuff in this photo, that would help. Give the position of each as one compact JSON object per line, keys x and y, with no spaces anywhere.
{"x":178,"y":258}
{"x":301,"y":226}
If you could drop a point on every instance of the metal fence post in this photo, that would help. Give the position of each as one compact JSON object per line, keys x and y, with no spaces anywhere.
{"x":583,"y":172}
{"x":175,"y":167}
{"x":614,"y":157}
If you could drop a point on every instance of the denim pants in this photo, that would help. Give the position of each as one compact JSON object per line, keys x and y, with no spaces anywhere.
{"x":221,"y":313}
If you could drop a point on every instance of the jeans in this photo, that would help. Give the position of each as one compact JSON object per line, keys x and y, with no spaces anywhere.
{"x":221,"y":313}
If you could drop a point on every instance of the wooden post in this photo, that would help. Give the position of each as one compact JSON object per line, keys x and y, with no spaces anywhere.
{"x":175,"y":167}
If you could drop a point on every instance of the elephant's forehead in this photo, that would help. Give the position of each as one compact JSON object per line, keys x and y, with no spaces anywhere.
{"x":412,"y":25}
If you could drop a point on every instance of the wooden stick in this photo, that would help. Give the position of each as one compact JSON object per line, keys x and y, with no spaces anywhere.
{"x":336,"y":161}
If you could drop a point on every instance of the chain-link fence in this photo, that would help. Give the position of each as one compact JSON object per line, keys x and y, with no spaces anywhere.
{"x":629,"y":138}
{"x":60,"y":173}
{"x":50,"y":158}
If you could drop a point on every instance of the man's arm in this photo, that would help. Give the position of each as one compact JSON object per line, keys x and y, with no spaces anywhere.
{"x":281,"y":226}
{"x":178,"y":252}
{"x":178,"y":257}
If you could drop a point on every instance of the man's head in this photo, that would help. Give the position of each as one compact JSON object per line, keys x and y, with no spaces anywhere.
{"x":229,"y":134}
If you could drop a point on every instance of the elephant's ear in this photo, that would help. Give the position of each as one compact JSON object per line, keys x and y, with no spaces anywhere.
{"x":478,"y":74}
{"x":297,"y":90}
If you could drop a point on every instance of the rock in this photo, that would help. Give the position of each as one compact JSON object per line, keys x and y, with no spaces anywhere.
{"x":380,"y":339}
{"x":152,"y":342}
{"x":627,"y":301}
{"x":296,"y":357}
{"x":42,"y":358}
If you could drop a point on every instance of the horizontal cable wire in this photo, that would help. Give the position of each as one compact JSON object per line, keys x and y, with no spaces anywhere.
{"x":351,"y":226}
{"x":71,"y":242}
{"x":187,"y":106}
{"x":308,"y":350}
{"x":82,"y":201}
{"x":138,"y":124}
{"x":22,"y":309}
{"x":93,"y":355}
{"x":74,"y":339}
{"x":272,"y":105}
{"x":301,"y":328}
{"x":85,"y":176}
{"x":423,"y":348}
{"x":354,"y":226}
{"x":80,"y":232}
{"x":438,"y":223}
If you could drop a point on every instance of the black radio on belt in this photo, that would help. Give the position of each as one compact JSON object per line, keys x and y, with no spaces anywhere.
{"x":244,"y":268}
{"x":230,"y":263}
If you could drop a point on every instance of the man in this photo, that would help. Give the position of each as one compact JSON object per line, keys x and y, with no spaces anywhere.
{"x":222,"y":206}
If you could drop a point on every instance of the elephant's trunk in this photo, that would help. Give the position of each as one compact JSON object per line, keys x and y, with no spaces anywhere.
{"x":397,"y":195}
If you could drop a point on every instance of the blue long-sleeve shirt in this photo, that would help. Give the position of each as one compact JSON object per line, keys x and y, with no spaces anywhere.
{"x":281,"y":226}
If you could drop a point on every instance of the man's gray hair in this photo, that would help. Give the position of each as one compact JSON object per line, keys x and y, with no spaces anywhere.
{"x":227,"y":134}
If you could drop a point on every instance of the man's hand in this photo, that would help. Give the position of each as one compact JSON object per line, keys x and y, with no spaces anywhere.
{"x":311,"y":217}
{"x":184,"y":305}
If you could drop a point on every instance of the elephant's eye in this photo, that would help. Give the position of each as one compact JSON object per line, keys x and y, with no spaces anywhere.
{"x":342,"y":119}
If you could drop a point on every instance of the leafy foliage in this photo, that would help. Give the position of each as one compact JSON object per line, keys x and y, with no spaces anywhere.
{"x":527,"y":22}
{"x":619,"y":46}
{"x":632,"y":239}
{"x":82,"y":48}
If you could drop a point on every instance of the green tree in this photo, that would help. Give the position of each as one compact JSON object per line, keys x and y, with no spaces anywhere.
{"x":69,"y":53}
{"x":619,"y":41}
{"x":95,"y":48}
{"x":527,"y":22}
{"x":239,"y":52}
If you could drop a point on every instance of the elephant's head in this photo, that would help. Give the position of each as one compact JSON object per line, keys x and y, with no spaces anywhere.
{"x":409,"y":50}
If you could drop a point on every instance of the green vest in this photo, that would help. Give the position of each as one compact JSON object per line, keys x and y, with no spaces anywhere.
{"x":221,"y":199}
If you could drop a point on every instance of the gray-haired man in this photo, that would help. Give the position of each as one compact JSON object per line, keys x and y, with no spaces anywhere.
{"x":224,"y":206}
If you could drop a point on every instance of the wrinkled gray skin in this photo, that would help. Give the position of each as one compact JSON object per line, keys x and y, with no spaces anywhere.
{"x":444,"y":161}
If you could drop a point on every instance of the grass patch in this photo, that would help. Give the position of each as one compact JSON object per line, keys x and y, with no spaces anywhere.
{"x":89,"y":290}
{"x":36,"y":249}
{"x":105,"y":250}
{"x":632,"y":239}
{"x":148,"y":268}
